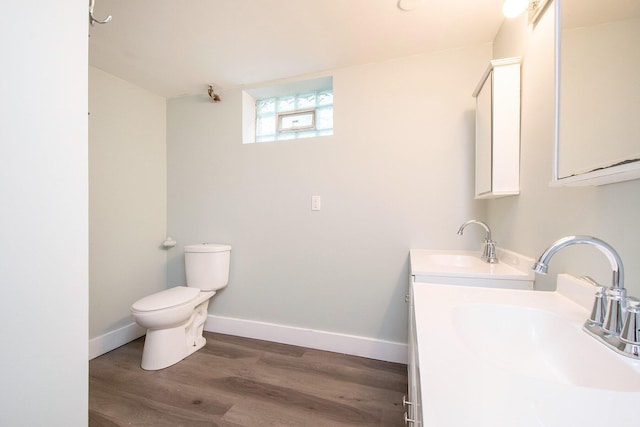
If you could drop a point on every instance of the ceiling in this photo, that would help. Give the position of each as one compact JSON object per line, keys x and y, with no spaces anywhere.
{"x":176,"y":48}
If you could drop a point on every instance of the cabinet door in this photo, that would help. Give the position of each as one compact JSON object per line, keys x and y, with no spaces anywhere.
{"x":414,"y":410}
{"x":506,"y":130}
{"x":484,"y":149}
{"x":498,"y":130}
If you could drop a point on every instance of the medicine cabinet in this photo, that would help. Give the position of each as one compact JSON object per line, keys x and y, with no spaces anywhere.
{"x":498,"y":130}
{"x":597,"y":92}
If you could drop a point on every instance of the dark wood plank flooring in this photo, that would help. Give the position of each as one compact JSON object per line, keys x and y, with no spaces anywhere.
{"x":236,"y":381}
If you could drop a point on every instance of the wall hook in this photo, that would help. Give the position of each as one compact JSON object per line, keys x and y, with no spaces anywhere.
{"x":93,"y":20}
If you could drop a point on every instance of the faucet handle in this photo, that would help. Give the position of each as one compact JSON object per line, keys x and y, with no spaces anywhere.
{"x":616,"y":300}
{"x":489,"y":252}
{"x":631,"y":329}
{"x":599,"y":304}
{"x":599,"y":309}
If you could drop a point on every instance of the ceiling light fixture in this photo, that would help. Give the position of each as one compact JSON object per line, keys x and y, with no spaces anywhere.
{"x":514,"y":8}
{"x":408,"y":5}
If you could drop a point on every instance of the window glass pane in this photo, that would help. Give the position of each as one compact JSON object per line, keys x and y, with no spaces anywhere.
{"x":266,"y":125}
{"x":267,"y":105}
{"x":325,"y":97}
{"x":306,"y":100}
{"x":286,"y":103}
{"x":324,"y":118}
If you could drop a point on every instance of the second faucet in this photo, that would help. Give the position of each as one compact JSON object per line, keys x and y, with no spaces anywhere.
{"x":488,"y":247}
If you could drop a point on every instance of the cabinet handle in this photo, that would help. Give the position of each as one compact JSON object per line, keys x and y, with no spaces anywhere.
{"x":408,"y":420}
{"x":405,"y":402}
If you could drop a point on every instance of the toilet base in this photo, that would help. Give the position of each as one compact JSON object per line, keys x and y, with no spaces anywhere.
{"x":166,"y":347}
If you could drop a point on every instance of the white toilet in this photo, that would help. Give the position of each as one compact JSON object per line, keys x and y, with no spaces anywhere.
{"x":175,"y":318}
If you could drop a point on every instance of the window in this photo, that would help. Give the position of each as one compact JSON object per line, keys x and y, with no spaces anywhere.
{"x":288,"y":111}
{"x":294,"y":116}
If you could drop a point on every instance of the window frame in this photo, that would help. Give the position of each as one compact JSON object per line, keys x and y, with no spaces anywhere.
{"x":263,"y":124}
{"x":283,"y":115}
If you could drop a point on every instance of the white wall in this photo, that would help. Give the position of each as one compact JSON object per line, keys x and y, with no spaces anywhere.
{"x":43,"y":214}
{"x":396,"y":174}
{"x":541,"y":214}
{"x":127,"y":203}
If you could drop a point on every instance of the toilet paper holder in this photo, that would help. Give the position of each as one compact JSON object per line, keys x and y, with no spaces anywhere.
{"x":169,"y":243}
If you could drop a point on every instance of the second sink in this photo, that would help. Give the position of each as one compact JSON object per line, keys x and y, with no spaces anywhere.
{"x":466,"y":268}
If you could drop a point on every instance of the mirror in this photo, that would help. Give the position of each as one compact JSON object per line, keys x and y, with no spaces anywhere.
{"x":597,"y":91}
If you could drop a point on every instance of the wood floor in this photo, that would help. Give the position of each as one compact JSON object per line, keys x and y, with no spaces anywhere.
{"x":237,"y":381}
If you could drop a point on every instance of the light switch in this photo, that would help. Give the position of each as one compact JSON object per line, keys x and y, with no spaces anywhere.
{"x":315,"y":203}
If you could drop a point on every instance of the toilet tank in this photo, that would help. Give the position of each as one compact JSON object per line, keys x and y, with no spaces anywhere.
{"x":207,"y":265}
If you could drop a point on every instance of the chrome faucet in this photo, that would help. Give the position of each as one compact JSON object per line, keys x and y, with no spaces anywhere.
{"x":488,"y":247}
{"x":613,"y":257}
{"x":607,"y":322}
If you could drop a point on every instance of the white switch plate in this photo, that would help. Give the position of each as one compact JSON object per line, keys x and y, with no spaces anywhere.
{"x":315,"y":203}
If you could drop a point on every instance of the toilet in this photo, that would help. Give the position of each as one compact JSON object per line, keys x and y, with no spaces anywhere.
{"x":174,"y":318}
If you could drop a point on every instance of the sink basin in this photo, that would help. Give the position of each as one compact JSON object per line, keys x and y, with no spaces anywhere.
{"x":464,"y":263}
{"x":540,"y":344}
{"x":492,"y":357}
{"x":466,"y":268}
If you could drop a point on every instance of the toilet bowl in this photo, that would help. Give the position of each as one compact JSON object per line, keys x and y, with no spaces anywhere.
{"x":174,"y":318}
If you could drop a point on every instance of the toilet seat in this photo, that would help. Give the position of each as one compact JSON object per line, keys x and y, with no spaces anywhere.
{"x":166,"y":299}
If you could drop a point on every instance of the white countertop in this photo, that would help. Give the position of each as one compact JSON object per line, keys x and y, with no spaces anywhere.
{"x":465,"y":267}
{"x":461,"y":387}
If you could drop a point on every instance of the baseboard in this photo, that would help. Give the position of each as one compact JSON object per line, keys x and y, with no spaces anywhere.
{"x":320,"y":340}
{"x":114,"y":339}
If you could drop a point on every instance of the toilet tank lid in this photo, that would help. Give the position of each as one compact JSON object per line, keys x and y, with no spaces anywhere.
{"x":207,"y":247}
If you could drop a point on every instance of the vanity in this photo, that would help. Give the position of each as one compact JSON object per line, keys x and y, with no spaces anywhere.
{"x":498,"y":356}
{"x":437,"y":269}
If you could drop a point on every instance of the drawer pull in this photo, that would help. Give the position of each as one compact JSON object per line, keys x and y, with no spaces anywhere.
{"x":405,"y":402}
{"x":408,"y":420}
